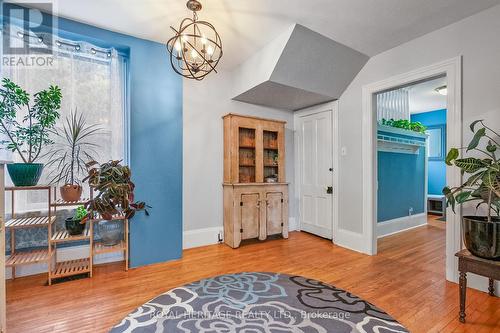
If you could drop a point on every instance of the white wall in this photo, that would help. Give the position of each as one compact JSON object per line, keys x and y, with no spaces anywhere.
{"x":205,"y":103}
{"x":475,"y":38}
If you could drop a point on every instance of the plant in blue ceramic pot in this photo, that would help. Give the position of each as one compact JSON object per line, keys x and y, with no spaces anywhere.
{"x":28,"y":135}
{"x":481,"y":186}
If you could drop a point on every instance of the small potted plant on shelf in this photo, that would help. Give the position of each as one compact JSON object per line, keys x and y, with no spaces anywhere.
{"x":481,"y":233}
{"x":31,"y":134}
{"x":76,"y":223}
{"x":115,"y":197}
{"x":72,"y":149}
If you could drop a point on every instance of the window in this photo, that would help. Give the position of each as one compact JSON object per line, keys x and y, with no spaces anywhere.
{"x":93,"y":83}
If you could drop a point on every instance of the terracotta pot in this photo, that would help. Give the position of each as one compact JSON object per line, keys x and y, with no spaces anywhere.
{"x":71,"y":192}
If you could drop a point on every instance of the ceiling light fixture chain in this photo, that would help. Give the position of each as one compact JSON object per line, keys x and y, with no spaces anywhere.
{"x":196,"y":48}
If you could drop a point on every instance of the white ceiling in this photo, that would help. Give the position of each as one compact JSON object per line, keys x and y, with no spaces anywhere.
{"x":423,"y":96}
{"x":245,"y":26}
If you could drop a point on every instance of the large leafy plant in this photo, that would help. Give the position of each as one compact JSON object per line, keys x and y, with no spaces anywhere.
{"x":72,"y":150}
{"x":414,"y":126}
{"x":115,"y":190}
{"x":483,"y":182}
{"x":28,"y":137}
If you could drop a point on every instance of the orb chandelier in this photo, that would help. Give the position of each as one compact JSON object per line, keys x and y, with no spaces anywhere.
{"x":196,"y":48}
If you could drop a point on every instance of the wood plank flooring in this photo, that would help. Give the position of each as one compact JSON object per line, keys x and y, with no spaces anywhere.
{"x":406,"y":279}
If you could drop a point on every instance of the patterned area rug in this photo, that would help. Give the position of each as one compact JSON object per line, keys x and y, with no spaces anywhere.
{"x":258,"y":303}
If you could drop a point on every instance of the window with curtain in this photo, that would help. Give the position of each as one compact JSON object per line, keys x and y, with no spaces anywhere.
{"x":93,"y":82}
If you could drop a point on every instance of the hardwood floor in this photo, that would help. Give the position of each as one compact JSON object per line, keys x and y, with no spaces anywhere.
{"x":406,"y":279}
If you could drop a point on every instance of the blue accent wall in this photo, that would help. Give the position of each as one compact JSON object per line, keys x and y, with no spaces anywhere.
{"x":401,"y":183}
{"x":437,"y":169}
{"x":155,"y":128}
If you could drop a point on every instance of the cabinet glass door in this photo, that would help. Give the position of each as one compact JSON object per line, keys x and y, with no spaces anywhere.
{"x":270,"y":156}
{"x":246,"y":155}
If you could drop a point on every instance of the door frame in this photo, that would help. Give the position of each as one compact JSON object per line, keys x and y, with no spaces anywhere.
{"x":452,"y":69}
{"x":333,"y":108}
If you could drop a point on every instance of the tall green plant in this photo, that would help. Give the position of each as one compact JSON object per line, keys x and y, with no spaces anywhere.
{"x":72,"y":150}
{"x":483,"y":184}
{"x":28,"y":137}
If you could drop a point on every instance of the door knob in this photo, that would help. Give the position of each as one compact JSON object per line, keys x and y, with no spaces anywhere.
{"x":329,"y":190}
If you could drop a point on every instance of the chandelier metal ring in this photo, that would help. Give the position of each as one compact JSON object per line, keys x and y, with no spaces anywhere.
{"x":196,"y":48}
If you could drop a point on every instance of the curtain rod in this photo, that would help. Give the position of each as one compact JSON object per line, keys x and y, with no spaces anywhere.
{"x":59,"y":43}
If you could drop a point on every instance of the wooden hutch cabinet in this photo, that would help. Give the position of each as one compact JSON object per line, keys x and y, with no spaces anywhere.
{"x":255,"y":190}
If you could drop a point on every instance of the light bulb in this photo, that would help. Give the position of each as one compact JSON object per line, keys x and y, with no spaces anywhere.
{"x":210,"y":50}
{"x":178,"y":46}
{"x":194,"y":54}
{"x":203,"y":40}
{"x":184,"y":38}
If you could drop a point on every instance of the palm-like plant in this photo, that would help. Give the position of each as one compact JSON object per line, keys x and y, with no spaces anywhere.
{"x":483,"y":184}
{"x":72,"y":150}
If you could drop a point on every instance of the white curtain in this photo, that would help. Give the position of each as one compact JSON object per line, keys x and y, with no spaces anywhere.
{"x":91,"y":80}
{"x":394,"y":104}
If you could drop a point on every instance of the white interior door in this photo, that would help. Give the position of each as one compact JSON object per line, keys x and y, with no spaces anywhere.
{"x":316,"y":172}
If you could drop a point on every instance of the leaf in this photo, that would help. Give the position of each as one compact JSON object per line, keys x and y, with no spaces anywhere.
{"x":477,"y":137}
{"x":463,"y":196}
{"x":452,"y":155}
{"x":473,"y":124}
{"x":491,"y":180}
{"x":470,"y":164}
{"x":491,"y":147}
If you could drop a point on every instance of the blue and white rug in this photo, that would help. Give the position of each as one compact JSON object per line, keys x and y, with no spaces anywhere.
{"x":258,"y":303}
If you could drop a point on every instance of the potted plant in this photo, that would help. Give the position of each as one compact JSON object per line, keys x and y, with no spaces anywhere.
{"x":481,"y":234}
{"x":115,"y":196}
{"x":76,"y":223}
{"x":72,"y":149}
{"x":27,"y":137}
{"x":414,"y":126}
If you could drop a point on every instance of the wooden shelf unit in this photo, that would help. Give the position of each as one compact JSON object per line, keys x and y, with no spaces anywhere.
{"x":71,"y":267}
{"x":34,"y":256}
{"x":60,"y":269}
{"x":254,"y":150}
{"x":98,"y":247}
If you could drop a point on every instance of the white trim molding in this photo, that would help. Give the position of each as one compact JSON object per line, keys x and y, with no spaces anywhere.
{"x":201,"y":237}
{"x":452,"y":70}
{"x":400,"y":224}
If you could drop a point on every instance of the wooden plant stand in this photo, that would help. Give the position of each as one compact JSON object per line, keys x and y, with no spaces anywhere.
{"x":59,"y":269}
{"x":470,"y":263}
{"x":42,"y":221}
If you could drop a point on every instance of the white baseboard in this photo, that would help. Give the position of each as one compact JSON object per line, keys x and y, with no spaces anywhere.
{"x":395,"y":226}
{"x":351,"y":240}
{"x":63,"y":254}
{"x":201,"y":237}
{"x":209,"y":236}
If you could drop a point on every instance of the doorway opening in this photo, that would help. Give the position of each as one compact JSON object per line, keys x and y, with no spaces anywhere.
{"x":411,"y":150}
{"x":452,"y":70}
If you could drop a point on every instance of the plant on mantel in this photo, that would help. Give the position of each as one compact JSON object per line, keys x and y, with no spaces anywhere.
{"x":73,"y":149}
{"x":482,"y":186}
{"x":29,"y":136}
